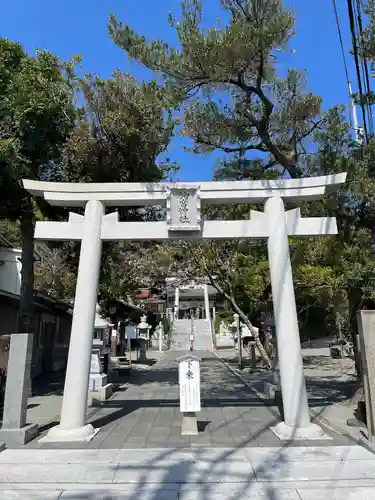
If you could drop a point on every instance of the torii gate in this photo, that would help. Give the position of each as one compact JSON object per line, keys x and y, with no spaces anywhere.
{"x":183,"y":203}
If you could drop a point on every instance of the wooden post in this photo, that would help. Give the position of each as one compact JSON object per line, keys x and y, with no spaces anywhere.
{"x":239,"y":341}
{"x":129,"y":349}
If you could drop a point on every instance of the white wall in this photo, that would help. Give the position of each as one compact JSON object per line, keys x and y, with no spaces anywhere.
{"x":10,"y":270}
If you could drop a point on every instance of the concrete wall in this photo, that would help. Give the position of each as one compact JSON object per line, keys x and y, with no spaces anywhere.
{"x":10,"y":270}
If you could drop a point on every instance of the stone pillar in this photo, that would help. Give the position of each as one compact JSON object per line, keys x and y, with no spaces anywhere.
{"x":99,"y":389}
{"x":14,"y":430}
{"x":206,"y":302}
{"x":114,"y":341}
{"x":176,"y":301}
{"x":161,"y":336}
{"x":296,"y":423}
{"x":74,"y":406}
{"x":366,"y":327}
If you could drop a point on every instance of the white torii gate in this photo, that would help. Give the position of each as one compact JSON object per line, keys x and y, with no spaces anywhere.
{"x":183,"y":203}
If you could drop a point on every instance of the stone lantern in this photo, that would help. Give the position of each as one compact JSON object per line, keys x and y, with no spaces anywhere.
{"x":143,"y":330}
{"x":99,"y":388}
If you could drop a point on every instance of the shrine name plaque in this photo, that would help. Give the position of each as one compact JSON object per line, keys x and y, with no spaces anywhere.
{"x":189,"y":381}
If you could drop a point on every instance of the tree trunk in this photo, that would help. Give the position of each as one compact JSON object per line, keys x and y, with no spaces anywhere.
{"x":26,"y":307}
{"x":258,"y":343}
{"x":242,"y":315}
{"x":230,"y":297}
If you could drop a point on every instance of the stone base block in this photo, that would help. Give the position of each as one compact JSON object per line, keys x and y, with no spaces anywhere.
{"x":97,"y":380}
{"x":101,"y":394}
{"x":80,"y":435}
{"x":17,"y":437}
{"x":189,"y":425}
{"x":270,"y":390}
{"x":287,"y":433}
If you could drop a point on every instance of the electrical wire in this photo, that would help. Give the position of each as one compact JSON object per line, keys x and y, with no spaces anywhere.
{"x":340,"y":39}
{"x":338,"y":27}
{"x":365,"y":71}
{"x":358,"y":67}
{"x":358,"y":23}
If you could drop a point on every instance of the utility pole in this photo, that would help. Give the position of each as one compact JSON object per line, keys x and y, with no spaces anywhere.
{"x":357,"y":129}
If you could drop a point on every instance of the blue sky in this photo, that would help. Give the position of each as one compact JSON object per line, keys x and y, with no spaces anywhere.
{"x":79,"y":27}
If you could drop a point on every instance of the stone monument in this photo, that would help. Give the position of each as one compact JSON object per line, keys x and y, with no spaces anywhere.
{"x":224,"y":336}
{"x":223,"y":329}
{"x":15,"y":431}
{"x":366,"y":324}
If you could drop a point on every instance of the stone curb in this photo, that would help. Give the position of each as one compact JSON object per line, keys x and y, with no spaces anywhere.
{"x":334,"y":427}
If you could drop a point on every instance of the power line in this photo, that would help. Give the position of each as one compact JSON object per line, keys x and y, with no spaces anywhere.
{"x":352,"y":114}
{"x":341,"y":42}
{"x":365,"y":72}
{"x":358,"y":66}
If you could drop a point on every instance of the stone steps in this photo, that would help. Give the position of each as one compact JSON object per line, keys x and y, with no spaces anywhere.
{"x":181,"y":332}
{"x":290,"y":473}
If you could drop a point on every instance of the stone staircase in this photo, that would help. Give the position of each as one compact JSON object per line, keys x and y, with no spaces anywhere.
{"x":181,"y":332}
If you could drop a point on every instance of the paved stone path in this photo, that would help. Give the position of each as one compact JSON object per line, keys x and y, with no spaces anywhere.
{"x":145,"y":412}
{"x":139,"y":453}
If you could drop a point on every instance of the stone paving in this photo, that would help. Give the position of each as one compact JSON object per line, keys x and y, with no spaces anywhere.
{"x":283,"y":473}
{"x":144,"y":413}
{"x":139,"y":453}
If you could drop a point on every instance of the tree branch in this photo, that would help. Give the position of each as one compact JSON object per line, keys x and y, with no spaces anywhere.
{"x":227,"y":149}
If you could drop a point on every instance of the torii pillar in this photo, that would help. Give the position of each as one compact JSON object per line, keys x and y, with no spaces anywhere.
{"x":74,"y":406}
{"x":296,"y":423}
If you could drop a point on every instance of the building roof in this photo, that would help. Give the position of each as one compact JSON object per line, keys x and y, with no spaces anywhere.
{"x":5,"y":243}
{"x":42,"y":300}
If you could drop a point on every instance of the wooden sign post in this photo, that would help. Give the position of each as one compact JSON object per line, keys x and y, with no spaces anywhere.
{"x":190,"y":393}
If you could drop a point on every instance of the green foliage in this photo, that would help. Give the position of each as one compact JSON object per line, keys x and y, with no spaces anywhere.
{"x":11,"y":232}
{"x":216,"y":54}
{"x":36,"y":115}
{"x":368,"y":36}
{"x":124,"y":127}
{"x":236,"y":100}
{"x":119,"y":137}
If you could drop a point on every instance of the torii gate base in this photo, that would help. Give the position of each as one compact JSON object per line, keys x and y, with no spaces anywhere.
{"x":183,"y":203}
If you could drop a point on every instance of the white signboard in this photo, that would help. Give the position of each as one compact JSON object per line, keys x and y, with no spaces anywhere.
{"x":130,"y":332}
{"x":190,"y":388}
